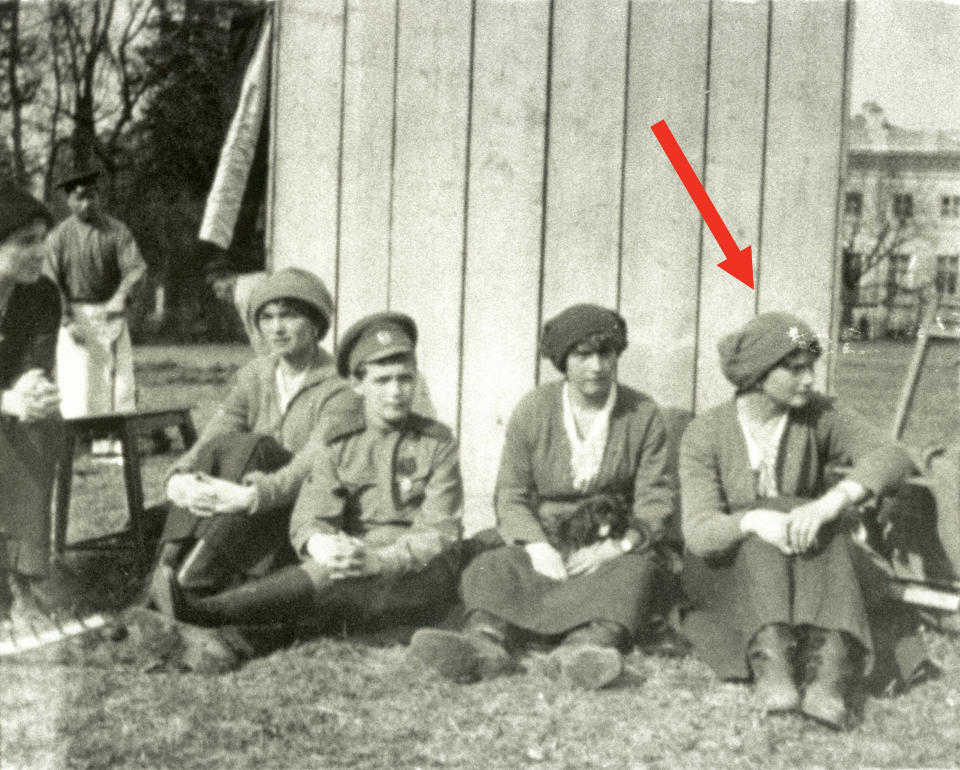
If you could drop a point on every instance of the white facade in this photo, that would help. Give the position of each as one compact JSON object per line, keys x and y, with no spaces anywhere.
{"x":902,"y":222}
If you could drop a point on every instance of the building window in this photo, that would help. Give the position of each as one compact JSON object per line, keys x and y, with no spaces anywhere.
{"x":853,"y":205}
{"x":898,"y":270}
{"x":950,"y":206}
{"x":947,"y":269}
{"x":902,"y":206}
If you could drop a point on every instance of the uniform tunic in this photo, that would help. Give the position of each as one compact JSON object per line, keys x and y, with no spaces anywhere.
{"x":399,"y":490}
{"x":28,"y":451}
{"x":737,"y":583}
{"x":87,"y":261}
{"x":535,"y":489}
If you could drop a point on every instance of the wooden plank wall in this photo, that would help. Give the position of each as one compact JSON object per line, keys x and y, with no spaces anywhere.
{"x":482,"y":164}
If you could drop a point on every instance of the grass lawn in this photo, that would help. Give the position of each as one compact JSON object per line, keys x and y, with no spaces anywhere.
{"x":330,"y":702}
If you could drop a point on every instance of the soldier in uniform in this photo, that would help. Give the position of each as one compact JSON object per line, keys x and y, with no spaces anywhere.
{"x":94,"y":261}
{"x":377,"y":524}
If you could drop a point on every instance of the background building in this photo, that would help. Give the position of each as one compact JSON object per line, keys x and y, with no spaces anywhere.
{"x":901,"y":226}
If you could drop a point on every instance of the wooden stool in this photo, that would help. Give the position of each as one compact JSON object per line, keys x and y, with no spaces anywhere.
{"x":128,"y":427}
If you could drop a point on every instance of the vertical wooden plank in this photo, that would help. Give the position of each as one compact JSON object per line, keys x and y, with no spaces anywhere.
{"x":426,"y":270}
{"x":367,"y":156}
{"x":504,"y":213}
{"x":582,"y":237}
{"x":661,"y":226}
{"x":307,"y":149}
{"x":803,"y":162}
{"x":733,"y":176}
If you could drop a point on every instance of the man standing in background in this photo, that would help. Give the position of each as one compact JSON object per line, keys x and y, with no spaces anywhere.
{"x":96,"y":264}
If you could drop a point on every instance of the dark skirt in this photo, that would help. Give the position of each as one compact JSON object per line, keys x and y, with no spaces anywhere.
{"x":504,"y":583}
{"x":29,"y":453}
{"x":833,"y":587}
{"x":252,"y":544}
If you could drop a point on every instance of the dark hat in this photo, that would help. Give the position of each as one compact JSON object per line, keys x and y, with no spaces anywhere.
{"x":18,"y":209}
{"x":296,"y":284}
{"x":374,"y":338}
{"x":748,"y":354}
{"x":568,"y":329}
{"x":77,"y":177}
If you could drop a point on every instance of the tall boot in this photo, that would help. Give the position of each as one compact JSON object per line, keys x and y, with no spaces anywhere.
{"x":204,"y":569}
{"x":478,"y":652}
{"x":771,"y":655}
{"x":589,"y":656}
{"x":284,"y":595}
{"x":831,"y":671}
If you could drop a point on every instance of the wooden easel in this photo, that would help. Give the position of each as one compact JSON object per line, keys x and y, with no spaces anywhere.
{"x":929,"y":330}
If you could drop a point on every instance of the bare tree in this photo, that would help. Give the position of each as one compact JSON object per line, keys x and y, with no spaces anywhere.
{"x":73,"y":80}
{"x":888,"y":220}
{"x":21,"y":61}
{"x":100,"y":73}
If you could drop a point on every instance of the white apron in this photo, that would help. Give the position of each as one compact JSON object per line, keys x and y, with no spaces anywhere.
{"x":97,"y":376}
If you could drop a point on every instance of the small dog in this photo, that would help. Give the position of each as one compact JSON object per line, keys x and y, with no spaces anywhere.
{"x":596,"y":518}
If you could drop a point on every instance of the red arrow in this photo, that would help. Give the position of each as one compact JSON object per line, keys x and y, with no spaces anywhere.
{"x":738,"y":262}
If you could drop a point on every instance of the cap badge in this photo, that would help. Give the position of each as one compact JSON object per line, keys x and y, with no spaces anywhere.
{"x":384,"y":338}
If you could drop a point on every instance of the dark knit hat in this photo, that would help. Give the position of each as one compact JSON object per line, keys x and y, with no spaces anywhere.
{"x":374,"y":338}
{"x":748,"y":354}
{"x":565,"y":331}
{"x":18,"y":209}
{"x":294,"y":283}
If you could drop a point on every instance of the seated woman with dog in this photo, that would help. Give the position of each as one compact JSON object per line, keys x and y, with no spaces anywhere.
{"x":775,"y":580}
{"x":583,"y":502}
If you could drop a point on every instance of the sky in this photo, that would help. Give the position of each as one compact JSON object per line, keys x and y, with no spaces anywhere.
{"x":906,"y":57}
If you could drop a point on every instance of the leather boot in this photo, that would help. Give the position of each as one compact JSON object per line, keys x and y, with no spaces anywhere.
{"x":204,"y":570}
{"x":287,"y":594}
{"x":478,"y":652}
{"x":771,"y":656}
{"x":589,"y":656}
{"x":830,"y":673}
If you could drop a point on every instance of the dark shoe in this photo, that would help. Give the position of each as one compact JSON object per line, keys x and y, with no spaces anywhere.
{"x":771,"y":656}
{"x":491,"y":637}
{"x":460,"y":657}
{"x":830,"y":674}
{"x":449,"y":653}
{"x":588,"y":666}
{"x":589,"y":657}
{"x":203,"y":650}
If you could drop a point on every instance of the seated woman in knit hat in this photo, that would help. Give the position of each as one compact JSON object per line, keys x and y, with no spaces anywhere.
{"x":234,"y":489}
{"x":771,"y":570}
{"x":568,"y":442}
{"x":30,"y":428}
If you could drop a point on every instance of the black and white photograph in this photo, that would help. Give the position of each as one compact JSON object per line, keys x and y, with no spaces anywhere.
{"x":479,"y":384}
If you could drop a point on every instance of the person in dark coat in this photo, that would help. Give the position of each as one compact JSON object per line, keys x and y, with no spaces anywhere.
{"x":771,"y":569}
{"x":30,"y":427}
{"x":568,"y":443}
